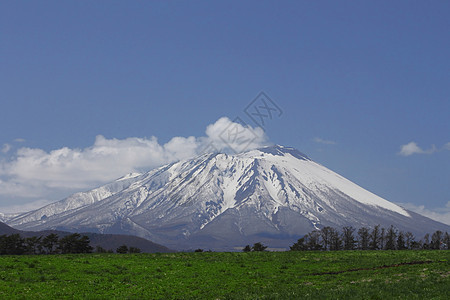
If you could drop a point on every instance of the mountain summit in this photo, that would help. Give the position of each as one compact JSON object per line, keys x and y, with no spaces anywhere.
{"x":219,"y":201}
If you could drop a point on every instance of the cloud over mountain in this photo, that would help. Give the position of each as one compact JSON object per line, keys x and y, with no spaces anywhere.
{"x":33,"y":172}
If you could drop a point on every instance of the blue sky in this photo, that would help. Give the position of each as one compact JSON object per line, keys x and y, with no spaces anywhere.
{"x":356,"y":82}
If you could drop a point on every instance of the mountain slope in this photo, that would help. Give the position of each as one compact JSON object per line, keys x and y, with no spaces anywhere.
{"x":8,"y":230}
{"x":274,"y":194}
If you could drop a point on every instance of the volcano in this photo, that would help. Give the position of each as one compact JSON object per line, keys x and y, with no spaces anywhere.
{"x":220,"y":201}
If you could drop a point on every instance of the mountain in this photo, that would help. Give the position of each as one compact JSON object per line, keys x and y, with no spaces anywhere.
{"x":5,"y":229}
{"x":106,"y":241}
{"x":222,"y":202}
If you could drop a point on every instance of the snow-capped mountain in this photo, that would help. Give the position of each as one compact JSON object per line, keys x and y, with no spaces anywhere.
{"x":219,"y":201}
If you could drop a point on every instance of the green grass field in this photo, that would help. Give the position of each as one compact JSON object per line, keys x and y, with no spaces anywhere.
{"x":263,"y":275}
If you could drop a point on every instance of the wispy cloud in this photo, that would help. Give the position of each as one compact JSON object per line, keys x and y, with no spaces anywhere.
{"x":5,"y":148}
{"x":412,"y":148}
{"x":322,"y":141}
{"x":439,"y":214}
{"x":35,"y":173}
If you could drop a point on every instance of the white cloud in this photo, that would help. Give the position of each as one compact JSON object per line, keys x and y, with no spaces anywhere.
{"x":6,"y":148}
{"x":19,"y":140}
{"x":439,"y":214}
{"x":447,"y":146}
{"x":35,"y":173}
{"x":322,"y":141}
{"x":225,"y":134}
{"x":412,"y":148}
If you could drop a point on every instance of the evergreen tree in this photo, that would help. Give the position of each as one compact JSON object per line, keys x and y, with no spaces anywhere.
{"x":3,"y":244}
{"x":122,"y":249}
{"x":100,"y":249}
{"x":33,"y":245}
{"x":258,"y":247}
{"x":137,"y":250}
{"x":15,"y":244}
{"x":247,"y":248}
{"x":11,"y":245}
{"x":74,"y":243}
{"x":82,"y":245}
{"x":50,"y":243}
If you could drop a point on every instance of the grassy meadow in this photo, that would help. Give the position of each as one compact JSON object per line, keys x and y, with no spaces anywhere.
{"x":210,"y":275}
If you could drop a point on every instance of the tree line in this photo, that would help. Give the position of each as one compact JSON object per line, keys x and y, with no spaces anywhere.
{"x":376,"y":238}
{"x":15,"y":244}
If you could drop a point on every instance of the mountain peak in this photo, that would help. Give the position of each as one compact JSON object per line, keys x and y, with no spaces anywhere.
{"x":279,"y":150}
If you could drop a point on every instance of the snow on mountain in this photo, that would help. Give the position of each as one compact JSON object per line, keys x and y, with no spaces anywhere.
{"x":7,"y":216}
{"x":220,"y":201}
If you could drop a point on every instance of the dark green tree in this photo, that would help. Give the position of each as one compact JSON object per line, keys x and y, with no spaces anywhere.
{"x":247,"y":248}
{"x":375,"y":238}
{"x":401,"y":241}
{"x":409,"y":239}
{"x":74,"y":243}
{"x":348,"y":238}
{"x":436,"y":240}
{"x":300,"y":245}
{"x":15,"y":244}
{"x":83,"y":245}
{"x":391,"y":236}
{"x":33,"y":245}
{"x":313,"y":240}
{"x":416,"y":245}
{"x":258,"y":247}
{"x":137,"y":250}
{"x":50,"y":243}
{"x":446,"y":241}
{"x":382,"y":238}
{"x":3,"y":244}
{"x":122,"y":249}
{"x":326,"y":235}
{"x":426,"y":242}
{"x":364,"y":236}
{"x":12,"y":245}
{"x":335,"y":240}
{"x":100,"y":249}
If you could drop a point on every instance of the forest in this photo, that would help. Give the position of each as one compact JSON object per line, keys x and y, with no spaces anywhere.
{"x":376,"y":238}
